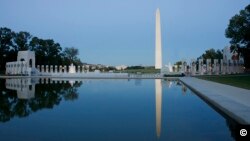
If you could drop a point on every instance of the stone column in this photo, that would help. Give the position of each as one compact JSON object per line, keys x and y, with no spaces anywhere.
{"x":201,"y":66}
{"x":216,"y":66}
{"x":209,"y":66}
{"x":65,"y":69}
{"x":56,"y":69}
{"x":228,"y":67}
{"x":38,"y":68}
{"x":221,"y":66}
{"x":87,"y":68}
{"x":51,"y":69}
{"x":60,"y":69}
{"x":193,"y":67}
{"x":79,"y":69}
{"x":47,"y":69}
{"x":185,"y":67}
{"x":237,"y":67}
{"x":42,"y":69}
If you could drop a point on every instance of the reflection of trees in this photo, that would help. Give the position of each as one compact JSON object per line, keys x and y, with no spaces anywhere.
{"x":71,"y":92}
{"x":46,"y":97}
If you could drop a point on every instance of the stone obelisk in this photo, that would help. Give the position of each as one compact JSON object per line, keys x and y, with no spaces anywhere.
{"x":158,"y":52}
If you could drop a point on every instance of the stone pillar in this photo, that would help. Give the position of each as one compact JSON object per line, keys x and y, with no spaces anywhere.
{"x":42,"y":69}
{"x":228,"y":67}
{"x":209,"y":66}
{"x":38,"y":68}
{"x":237,"y":66}
{"x":56,"y":69}
{"x":193,"y":67}
{"x":185,"y":67}
{"x":87,"y":68}
{"x":216,"y":66}
{"x":60,"y":69}
{"x":65,"y":69}
{"x":79,"y":69}
{"x":83,"y":69}
{"x":47,"y":68}
{"x":51,"y":69}
{"x":201,"y":66}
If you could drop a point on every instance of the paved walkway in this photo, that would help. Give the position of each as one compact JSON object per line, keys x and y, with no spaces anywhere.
{"x":233,"y":101}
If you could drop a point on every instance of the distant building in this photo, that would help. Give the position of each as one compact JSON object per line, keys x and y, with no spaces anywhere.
{"x":122,"y":67}
{"x":25,"y":64}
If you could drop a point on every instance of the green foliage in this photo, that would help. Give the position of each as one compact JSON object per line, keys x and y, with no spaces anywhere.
{"x":239,"y":32}
{"x":47,"y":96}
{"x":242,"y":81}
{"x":21,"y":41}
{"x":71,"y":54}
{"x":134,"y":67}
{"x":178,"y":63}
{"x":140,"y":69}
{"x":48,"y":52}
{"x":212,"y":54}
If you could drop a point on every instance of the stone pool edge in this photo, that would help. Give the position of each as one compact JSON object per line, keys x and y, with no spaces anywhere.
{"x":235,"y":110}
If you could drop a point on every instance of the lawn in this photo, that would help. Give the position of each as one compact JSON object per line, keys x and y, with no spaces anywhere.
{"x":242,"y":81}
{"x":142,"y":71}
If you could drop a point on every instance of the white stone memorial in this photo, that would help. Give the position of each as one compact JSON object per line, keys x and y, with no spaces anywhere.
{"x":158,"y":48}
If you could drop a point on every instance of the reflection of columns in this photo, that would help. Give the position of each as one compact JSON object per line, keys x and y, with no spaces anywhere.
{"x":158,"y":98}
{"x":25,"y":88}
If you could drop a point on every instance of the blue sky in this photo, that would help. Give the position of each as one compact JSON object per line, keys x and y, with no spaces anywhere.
{"x":115,"y":32}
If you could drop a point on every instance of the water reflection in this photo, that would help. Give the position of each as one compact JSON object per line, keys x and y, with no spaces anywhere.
{"x":25,"y":88}
{"x":21,"y":97}
{"x":158,"y":98}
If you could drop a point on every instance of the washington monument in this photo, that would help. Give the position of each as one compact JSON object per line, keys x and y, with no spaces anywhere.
{"x":158,"y":53}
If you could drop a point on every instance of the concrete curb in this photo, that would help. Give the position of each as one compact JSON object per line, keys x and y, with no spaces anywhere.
{"x":232,"y":108}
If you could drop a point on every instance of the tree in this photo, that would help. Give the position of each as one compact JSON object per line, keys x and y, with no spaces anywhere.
{"x":212,"y":54}
{"x":22,"y":40}
{"x":47,"y":51}
{"x":6,"y":43}
{"x":239,"y":32}
{"x":71,"y":54}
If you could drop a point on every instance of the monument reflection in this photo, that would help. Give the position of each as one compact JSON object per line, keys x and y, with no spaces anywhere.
{"x":25,"y":87}
{"x":158,"y":105}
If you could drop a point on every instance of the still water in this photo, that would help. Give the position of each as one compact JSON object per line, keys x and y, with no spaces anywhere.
{"x":110,"y":110}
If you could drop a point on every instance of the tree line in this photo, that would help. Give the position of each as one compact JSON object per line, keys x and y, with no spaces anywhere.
{"x":48,"y":52}
{"x":238,"y":31}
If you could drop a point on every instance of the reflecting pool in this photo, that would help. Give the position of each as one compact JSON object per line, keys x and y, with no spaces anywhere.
{"x":110,"y":110}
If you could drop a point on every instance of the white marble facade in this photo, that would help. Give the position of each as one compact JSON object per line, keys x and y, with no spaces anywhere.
{"x":25,"y":64}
